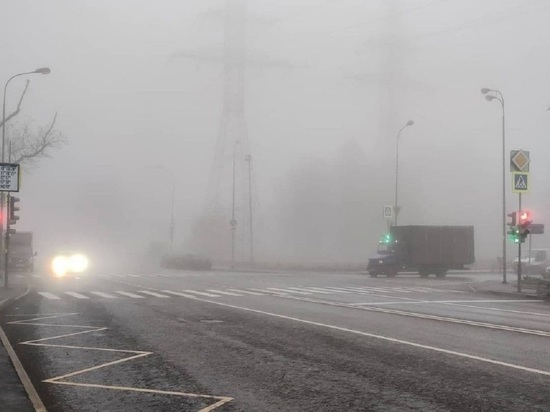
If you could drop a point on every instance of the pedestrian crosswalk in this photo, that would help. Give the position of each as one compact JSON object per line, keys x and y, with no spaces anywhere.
{"x":301,"y":290}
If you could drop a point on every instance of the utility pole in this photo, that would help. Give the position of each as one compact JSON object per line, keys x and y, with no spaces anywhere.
{"x":233,"y":221}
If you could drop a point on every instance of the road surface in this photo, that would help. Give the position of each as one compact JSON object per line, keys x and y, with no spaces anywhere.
{"x":243,"y":341}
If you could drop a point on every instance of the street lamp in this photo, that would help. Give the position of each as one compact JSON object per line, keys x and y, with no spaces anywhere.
{"x":248,"y":159}
{"x":490,"y":95}
{"x":396,"y":207}
{"x":42,"y":70}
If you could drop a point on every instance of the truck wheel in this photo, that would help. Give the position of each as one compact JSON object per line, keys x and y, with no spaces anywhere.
{"x":373,"y":274}
{"x":440,"y":273}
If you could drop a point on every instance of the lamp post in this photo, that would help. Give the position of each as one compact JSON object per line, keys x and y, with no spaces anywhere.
{"x":248,"y":159}
{"x":42,"y":70}
{"x":233,"y":220}
{"x":396,"y":207}
{"x":172,"y":218}
{"x":490,"y":95}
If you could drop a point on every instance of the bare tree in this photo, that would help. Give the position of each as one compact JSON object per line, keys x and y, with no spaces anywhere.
{"x":28,"y":145}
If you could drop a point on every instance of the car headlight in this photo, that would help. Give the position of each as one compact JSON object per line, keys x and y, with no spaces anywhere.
{"x":78,"y":263}
{"x":60,"y":266}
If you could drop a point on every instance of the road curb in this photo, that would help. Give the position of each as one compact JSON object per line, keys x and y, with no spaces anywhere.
{"x":25,"y":380}
{"x":511,"y":294}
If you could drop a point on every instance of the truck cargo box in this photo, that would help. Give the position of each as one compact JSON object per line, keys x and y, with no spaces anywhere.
{"x":452,"y":246}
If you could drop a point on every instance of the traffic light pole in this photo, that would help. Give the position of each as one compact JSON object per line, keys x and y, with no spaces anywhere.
{"x":519,"y":254}
{"x":7,"y":241}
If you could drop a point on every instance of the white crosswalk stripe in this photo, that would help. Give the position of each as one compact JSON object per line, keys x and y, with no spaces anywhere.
{"x":129,"y":294}
{"x":314,"y":290}
{"x":268,"y":292}
{"x":318,"y":290}
{"x":371,"y":290}
{"x":77,"y":295}
{"x":48,"y":295}
{"x":210,"y":295}
{"x":155,"y":294}
{"x":291,"y":291}
{"x":340,"y":290}
{"x":222,"y":292}
{"x":103,"y":295}
{"x":247,"y":292}
{"x":178,"y":294}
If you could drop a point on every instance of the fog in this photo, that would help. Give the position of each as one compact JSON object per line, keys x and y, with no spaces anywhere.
{"x":327,"y":86}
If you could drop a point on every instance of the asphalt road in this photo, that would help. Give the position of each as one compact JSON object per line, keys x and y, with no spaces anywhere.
{"x":220,"y":341}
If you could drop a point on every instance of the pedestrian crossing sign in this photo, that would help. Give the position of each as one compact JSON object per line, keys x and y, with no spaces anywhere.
{"x":520,"y":182}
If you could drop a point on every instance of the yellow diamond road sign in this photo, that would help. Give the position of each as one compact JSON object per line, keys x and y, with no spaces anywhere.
{"x":519,"y":161}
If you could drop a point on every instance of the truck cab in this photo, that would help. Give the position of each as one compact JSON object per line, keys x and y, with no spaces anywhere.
{"x":21,"y":253}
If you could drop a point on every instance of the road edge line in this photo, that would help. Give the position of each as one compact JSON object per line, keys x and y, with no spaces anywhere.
{"x":23,"y":376}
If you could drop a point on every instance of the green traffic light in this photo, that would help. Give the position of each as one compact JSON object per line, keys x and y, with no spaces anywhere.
{"x":386,"y":238}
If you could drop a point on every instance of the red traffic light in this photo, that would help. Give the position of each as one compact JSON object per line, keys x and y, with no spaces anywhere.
{"x":525,"y":218}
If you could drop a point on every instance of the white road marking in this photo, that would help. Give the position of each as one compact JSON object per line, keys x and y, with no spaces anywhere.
{"x":128,"y":294}
{"x":382,"y":290}
{"x":291,"y":291}
{"x":342,"y":290}
{"x":269,"y":292}
{"x":247,"y":292}
{"x":314,"y":290}
{"x":155,"y":294}
{"x":60,"y":380}
{"x":385,"y":338}
{"x":104,"y":295}
{"x":202,"y":293}
{"x":163,"y":275}
{"x":447,"y":302}
{"x":178,"y":293}
{"x":441,"y":290}
{"x":222,"y":292}
{"x":48,"y":295}
{"x":426,"y":316}
{"x":76,"y":295}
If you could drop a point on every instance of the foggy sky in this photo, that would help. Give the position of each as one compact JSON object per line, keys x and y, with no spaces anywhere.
{"x":351,"y":74}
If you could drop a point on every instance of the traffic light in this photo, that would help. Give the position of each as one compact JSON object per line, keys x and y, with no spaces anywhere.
{"x":13,"y":217}
{"x":525,"y":218}
{"x":514,"y":219}
{"x":386,"y":239}
{"x":514,"y":235}
{"x":13,"y":209}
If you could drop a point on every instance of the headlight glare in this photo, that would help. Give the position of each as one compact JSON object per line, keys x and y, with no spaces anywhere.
{"x":78,"y":263}
{"x":60,"y":266}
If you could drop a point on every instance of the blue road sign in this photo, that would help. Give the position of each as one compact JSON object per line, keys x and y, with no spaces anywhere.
{"x":520,"y":182}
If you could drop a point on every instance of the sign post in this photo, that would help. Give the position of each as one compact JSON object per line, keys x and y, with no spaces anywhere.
{"x":519,"y":166}
{"x":9,"y":182}
{"x":388,"y":215}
